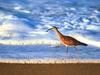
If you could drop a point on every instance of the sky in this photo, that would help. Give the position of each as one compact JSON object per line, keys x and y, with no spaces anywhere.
{"x":26,"y":19}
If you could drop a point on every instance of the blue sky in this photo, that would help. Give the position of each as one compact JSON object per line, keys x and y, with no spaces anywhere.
{"x":34,"y":16}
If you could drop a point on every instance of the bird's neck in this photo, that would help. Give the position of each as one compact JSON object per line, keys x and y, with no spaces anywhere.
{"x":59,"y":34}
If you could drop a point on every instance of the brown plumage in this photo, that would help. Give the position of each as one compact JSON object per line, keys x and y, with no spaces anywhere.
{"x":67,"y":40}
{"x":70,"y":41}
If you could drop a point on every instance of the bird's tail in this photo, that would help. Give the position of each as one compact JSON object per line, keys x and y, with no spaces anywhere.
{"x":83,"y":44}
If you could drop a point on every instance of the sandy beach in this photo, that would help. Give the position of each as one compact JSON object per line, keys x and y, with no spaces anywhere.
{"x":51,"y":69}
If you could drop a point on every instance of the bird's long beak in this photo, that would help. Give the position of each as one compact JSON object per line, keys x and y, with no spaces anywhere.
{"x":49,"y":29}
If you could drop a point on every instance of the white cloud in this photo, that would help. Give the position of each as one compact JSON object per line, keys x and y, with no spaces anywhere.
{"x":17,"y":8}
{"x":93,"y":27}
{"x":85,"y":20}
{"x":96,"y":11}
{"x":72,"y":9}
{"x":12,"y":28}
{"x":26,"y":11}
{"x":4,"y":16}
{"x":14,"y":25}
{"x":21,"y":9}
{"x":38,"y":32}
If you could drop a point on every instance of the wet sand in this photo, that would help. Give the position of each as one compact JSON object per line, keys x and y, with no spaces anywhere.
{"x":49,"y":69}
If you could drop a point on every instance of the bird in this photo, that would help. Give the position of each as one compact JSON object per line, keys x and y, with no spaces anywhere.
{"x":67,"y":41}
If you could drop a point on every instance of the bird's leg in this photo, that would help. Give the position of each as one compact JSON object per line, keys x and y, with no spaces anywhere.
{"x":67,"y":49}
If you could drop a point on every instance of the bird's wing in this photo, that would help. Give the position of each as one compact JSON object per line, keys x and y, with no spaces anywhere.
{"x":71,"y":40}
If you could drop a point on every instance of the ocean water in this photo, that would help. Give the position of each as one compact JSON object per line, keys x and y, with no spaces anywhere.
{"x":23,"y":25}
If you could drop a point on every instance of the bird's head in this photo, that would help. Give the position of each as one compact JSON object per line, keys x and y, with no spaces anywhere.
{"x":53,"y":28}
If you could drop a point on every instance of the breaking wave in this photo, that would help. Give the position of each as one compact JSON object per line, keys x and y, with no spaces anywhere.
{"x":49,"y":61}
{"x":49,"y":42}
{"x":29,"y":42}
